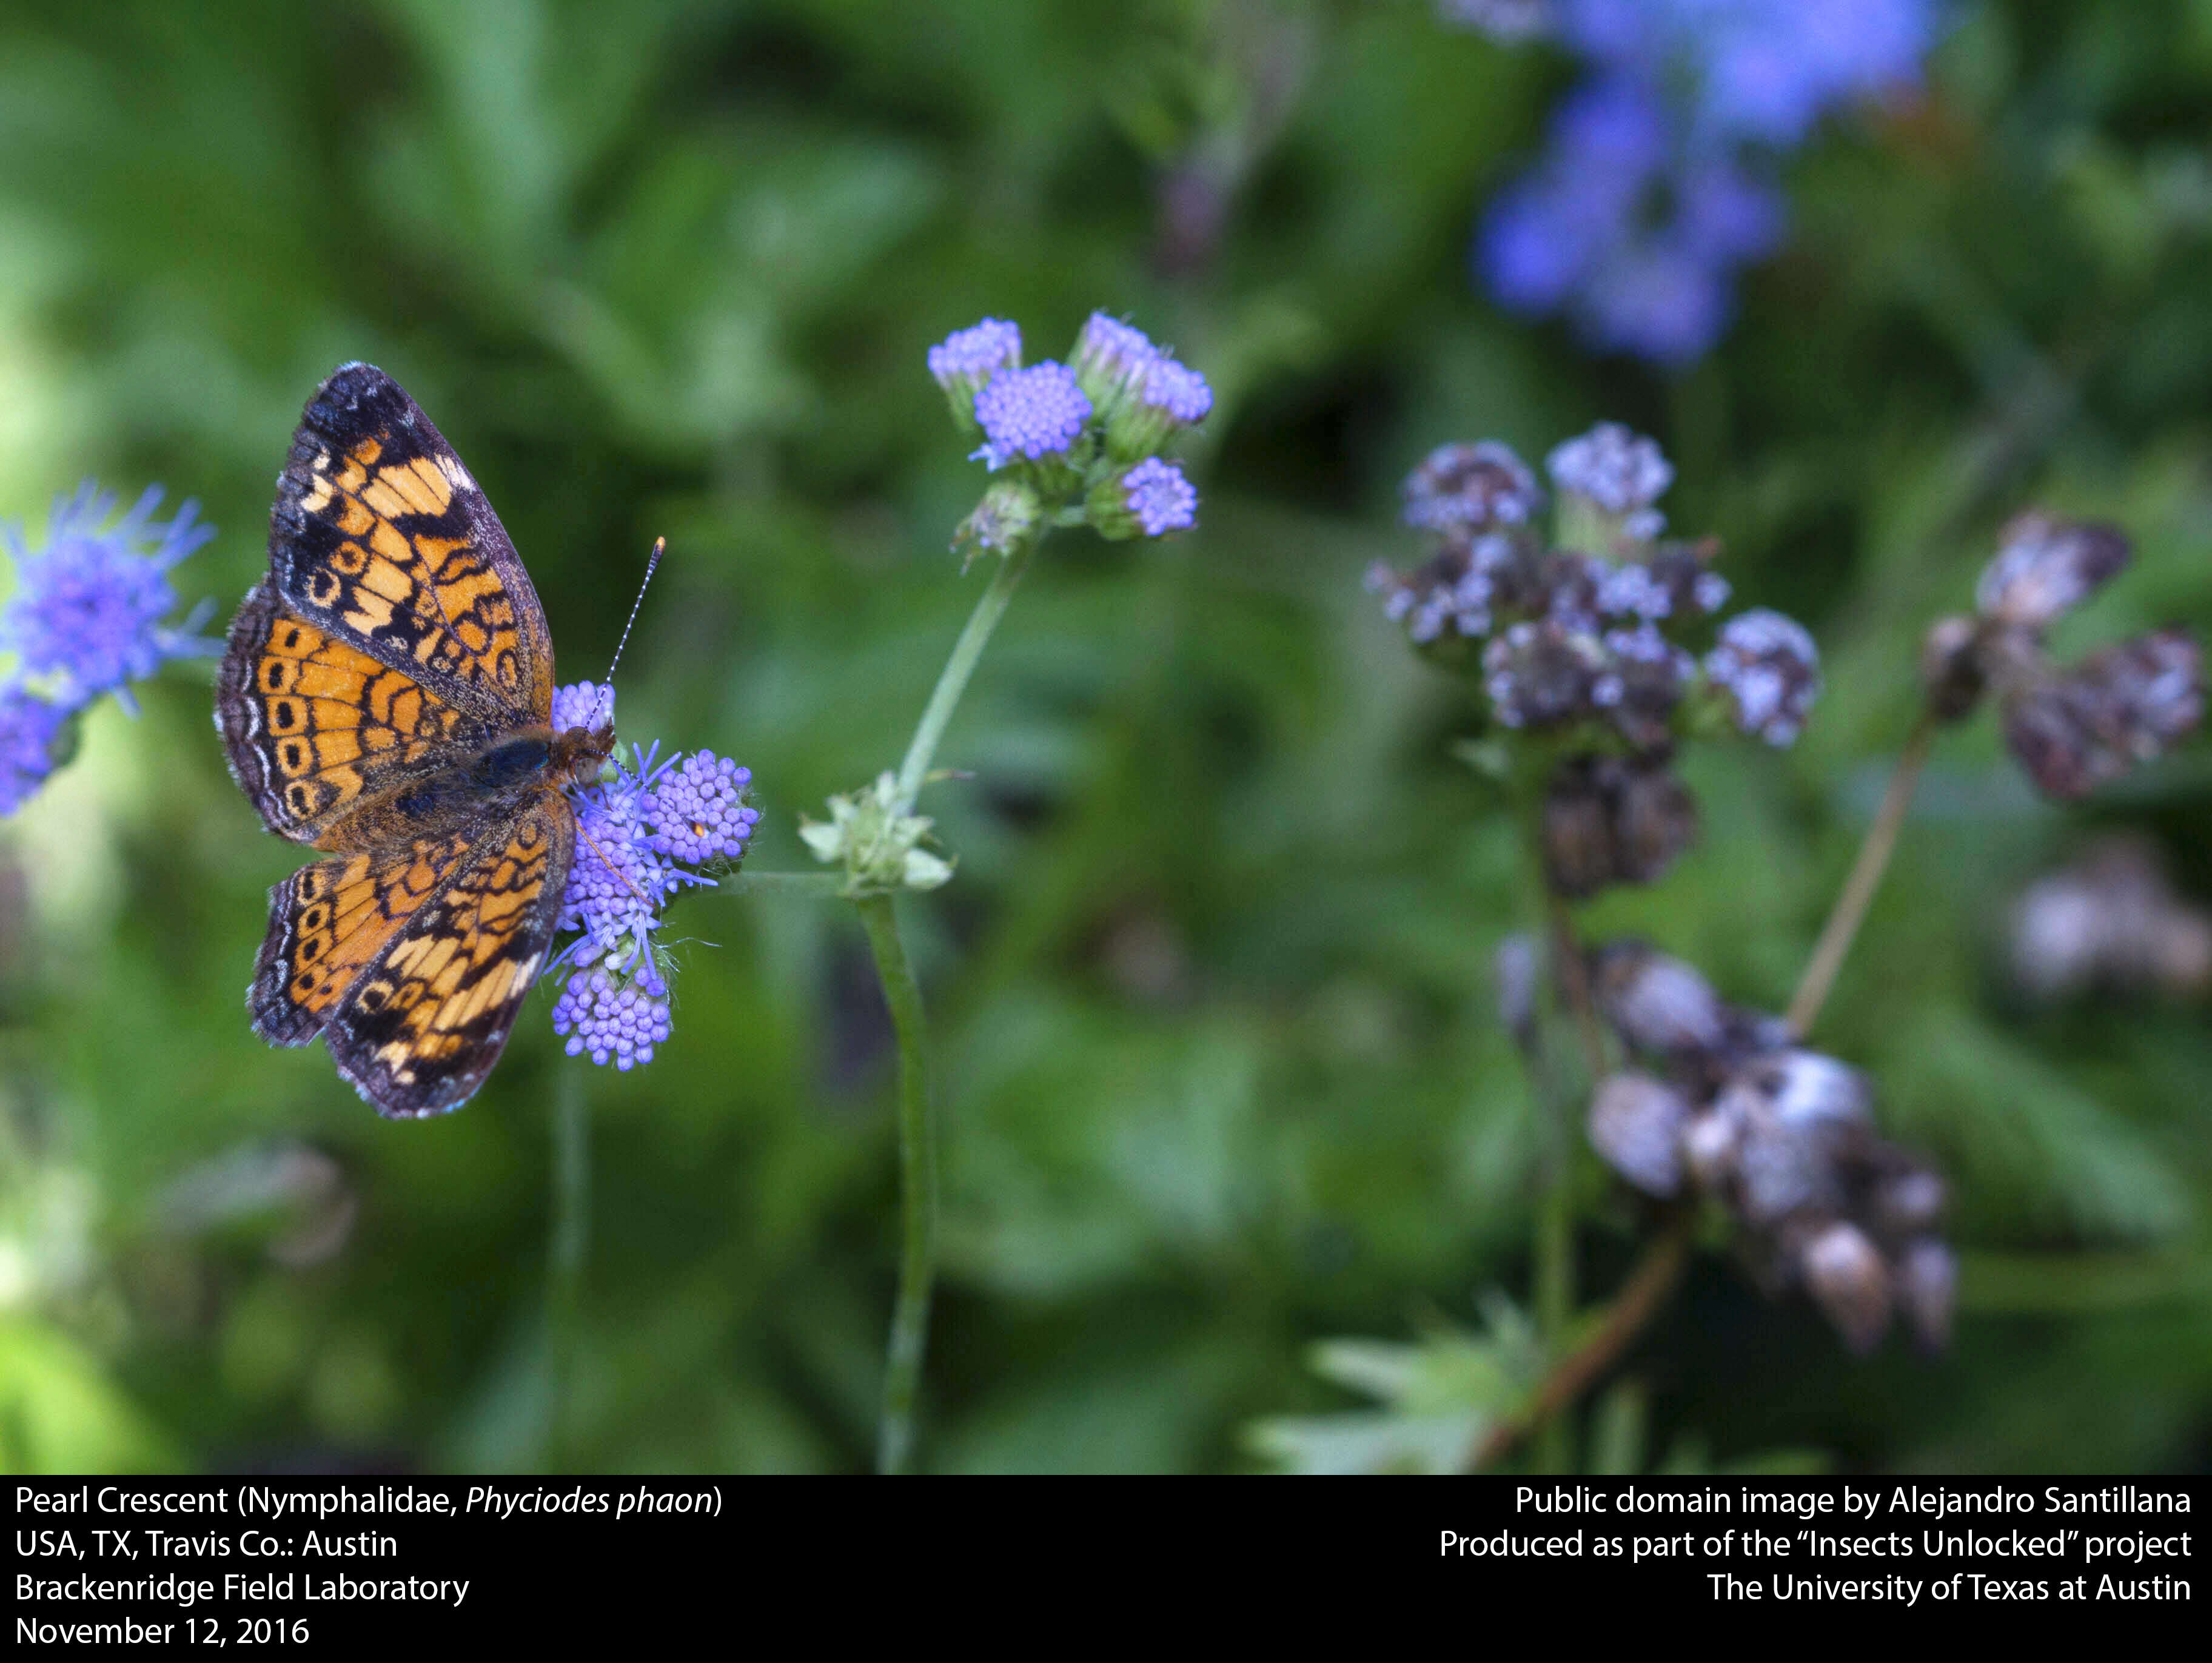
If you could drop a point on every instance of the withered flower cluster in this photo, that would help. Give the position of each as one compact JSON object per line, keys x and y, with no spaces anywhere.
{"x":1585,"y":636}
{"x":2072,"y":727}
{"x":1725,"y":1104}
{"x":2111,"y":922}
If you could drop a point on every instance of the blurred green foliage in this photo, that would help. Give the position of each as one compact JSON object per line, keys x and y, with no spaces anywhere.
{"x":1222,"y":1073}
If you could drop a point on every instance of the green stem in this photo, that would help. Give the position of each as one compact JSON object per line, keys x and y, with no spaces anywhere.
{"x":952,"y":682}
{"x":827,"y":883}
{"x":917,"y":1187}
{"x":1843,"y":926}
{"x":572,"y":1224}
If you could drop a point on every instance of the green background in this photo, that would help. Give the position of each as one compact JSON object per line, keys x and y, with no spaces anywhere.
{"x":1221,"y":1069}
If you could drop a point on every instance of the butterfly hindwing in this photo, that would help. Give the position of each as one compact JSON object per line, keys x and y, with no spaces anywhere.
{"x":380,"y":537}
{"x":328,"y":922}
{"x":420,"y":1029}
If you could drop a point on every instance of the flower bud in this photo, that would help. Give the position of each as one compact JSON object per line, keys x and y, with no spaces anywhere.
{"x":1149,"y":500}
{"x":2046,"y":566}
{"x":1608,"y":480}
{"x":1635,"y":1123}
{"x":1008,"y":513}
{"x":1110,"y":359}
{"x":1708,"y":1148}
{"x":1908,"y":1201}
{"x":1657,"y":1004}
{"x":1654,"y":819}
{"x":1951,"y":672}
{"x":1769,"y":669}
{"x":1849,"y":1282}
{"x":1034,"y":415}
{"x":1927,"y":1288}
{"x":1542,"y":675}
{"x":1166,"y":399}
{"x":2126,"y":704}
{"x":1470,"y":488}
{"x":963,"y":363}
{"x":1578,"y":854}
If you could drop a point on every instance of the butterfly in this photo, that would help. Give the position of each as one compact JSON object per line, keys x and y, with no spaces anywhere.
{"x":387,"y":695}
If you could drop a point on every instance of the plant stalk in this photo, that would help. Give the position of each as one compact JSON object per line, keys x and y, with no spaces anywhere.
{"x":572,"y":1224}
{"x":909,"y":1338}
{"x":1639,"y":1299}
{"x":1858,"y":893}
{"x":952,"y":681}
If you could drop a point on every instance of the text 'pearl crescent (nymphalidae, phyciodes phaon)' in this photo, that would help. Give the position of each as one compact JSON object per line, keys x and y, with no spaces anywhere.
{"x":387,"y":696}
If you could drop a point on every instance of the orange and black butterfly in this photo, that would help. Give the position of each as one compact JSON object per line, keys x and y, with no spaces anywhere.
{"x":387,"y":696}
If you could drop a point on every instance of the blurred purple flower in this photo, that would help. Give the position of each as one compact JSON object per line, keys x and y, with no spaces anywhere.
{"x":29,"y":727}
{"x":86,"y":616}
{"x":1656,"y":186}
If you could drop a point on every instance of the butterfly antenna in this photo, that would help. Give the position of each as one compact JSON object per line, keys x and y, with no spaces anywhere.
{"x":653,"y":561}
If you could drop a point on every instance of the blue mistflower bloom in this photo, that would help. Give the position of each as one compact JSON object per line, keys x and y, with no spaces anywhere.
{"x":1112,"y":356}
{"x":619,"y":882}
{"x":698,"y":810}
{"x":638,"y":834}
{"x":1088,"y":431}
{"x":582,"y":704}
{"x":87,"y":615}
{"x":969,"y":358}
{"x":29,"y":726}
{"x":1030,"y":414}
{"x":963,"y":363}
{"x":612,"y":1019}
{"x":1160,"y":498}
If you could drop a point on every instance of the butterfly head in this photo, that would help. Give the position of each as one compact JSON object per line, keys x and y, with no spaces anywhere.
{"x":580,"y":754}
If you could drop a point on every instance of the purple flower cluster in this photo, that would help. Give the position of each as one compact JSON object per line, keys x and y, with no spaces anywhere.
{"x":86,"y":619}
{"x":1582,"y":634}
{"x":1563,"y":635}
{"x":640,"y":835}
{"x":2072,"y":727}
{"x":29,"y":729}
{"x":1657,"y":184}
{"x":1782,"y":1137}
{"x":1094,"y":425}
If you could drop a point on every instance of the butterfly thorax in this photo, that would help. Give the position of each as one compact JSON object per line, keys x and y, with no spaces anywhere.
{"x":527,"y":762}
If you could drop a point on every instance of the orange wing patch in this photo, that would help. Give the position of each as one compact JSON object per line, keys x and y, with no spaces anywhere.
{"x":316,"y":727}
{"x":403,"y":568}
{"x":421,"y":1027}
{"x":328,"y":922}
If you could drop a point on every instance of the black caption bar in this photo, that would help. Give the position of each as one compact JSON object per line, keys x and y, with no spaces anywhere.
{"x":303,"y":1563}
